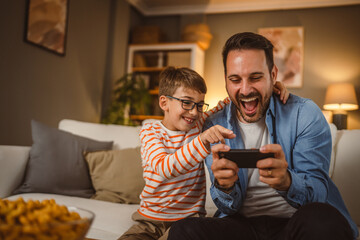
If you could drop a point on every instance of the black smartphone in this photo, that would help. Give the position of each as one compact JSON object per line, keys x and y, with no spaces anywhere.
{"x":245,"y":158}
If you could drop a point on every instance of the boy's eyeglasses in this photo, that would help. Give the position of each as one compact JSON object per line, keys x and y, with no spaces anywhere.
{"x":189,"y":105}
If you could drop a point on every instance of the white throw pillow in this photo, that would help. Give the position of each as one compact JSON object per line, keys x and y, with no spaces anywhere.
{"x":209,"y":203}
{"x":122,"y":136}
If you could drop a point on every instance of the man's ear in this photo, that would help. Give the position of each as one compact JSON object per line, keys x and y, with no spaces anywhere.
{"x":274,"y":73}
{"x":163,"y":103}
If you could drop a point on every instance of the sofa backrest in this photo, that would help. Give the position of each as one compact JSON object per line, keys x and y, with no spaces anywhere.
{"x":127,"y":137}
{"x":344,"y":167}
{"x":122,"y":136}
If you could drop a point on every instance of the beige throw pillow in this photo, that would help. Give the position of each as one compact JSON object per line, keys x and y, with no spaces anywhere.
{"x":116,"y":175}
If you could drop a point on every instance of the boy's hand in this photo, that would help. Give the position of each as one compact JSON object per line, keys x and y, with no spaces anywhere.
{"x":280,"y":89}
{"x":215,"y":134}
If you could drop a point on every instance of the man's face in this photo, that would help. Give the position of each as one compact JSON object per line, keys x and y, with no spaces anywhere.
{"x":249,"y":83}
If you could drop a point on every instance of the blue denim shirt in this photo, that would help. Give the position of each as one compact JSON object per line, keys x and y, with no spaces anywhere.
{"x":304,"y":135}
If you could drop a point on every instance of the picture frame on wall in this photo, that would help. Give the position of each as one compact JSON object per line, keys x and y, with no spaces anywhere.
{"x":288,"y":53}
{"x":46,"y":24}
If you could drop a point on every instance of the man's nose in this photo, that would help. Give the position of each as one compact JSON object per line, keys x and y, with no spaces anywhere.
{"x":245,"y":87}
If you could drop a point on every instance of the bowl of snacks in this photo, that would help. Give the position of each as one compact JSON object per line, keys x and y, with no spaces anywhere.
{"x":30,"y":219}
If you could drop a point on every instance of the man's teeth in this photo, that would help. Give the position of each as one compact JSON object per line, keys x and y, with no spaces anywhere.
{"x":248,"y":99}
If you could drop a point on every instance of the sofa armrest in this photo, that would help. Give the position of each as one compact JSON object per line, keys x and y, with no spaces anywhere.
{"x":346,"y":170}
{"x":13,"y":160}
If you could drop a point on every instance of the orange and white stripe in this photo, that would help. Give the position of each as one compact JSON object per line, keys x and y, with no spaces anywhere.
{"x":173,"y":163}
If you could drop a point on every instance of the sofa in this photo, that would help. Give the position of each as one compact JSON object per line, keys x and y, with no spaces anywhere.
{"x":113,"y":218}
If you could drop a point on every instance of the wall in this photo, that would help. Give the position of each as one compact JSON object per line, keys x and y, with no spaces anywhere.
{"x":332,"y":49}
{"x":118,"y":36}
{"x":37,"y":84}
{"x":169,"y":25}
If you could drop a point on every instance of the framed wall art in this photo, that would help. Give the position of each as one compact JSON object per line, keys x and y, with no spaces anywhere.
{"x":46,"y":24}
{"x":288,"y":53}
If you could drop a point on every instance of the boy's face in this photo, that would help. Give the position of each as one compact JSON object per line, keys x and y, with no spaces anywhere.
{"x":175,"y":117}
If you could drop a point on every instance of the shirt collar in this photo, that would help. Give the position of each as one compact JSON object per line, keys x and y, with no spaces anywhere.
{"x":271,"y":108}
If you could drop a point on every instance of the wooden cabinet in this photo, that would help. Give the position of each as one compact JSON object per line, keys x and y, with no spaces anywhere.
{"x":150,"y":59}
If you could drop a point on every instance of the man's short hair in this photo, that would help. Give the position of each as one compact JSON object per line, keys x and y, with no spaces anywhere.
{"x":247,"y":41}
{"x":172,"y":78}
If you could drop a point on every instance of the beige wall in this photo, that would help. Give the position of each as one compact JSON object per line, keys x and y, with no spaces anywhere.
{"x":332,"y":49}
{"x":37,"y":84}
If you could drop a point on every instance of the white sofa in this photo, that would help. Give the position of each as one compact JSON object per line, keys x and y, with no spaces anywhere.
{"x":112,"y":219}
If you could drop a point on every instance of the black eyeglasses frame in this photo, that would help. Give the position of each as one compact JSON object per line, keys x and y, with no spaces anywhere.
{"x":199,"y":108}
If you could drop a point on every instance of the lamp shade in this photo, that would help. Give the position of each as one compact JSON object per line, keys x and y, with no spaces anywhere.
{"x":341,"y":96}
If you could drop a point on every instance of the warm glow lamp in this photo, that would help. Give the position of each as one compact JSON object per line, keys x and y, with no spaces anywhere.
{"x":340,"y":98}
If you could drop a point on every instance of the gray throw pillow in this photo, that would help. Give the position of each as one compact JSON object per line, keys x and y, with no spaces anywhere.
{"x":56,"y":164}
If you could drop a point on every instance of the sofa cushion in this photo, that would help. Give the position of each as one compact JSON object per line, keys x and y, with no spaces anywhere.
{"x":116,"y":175}
{"x":122,"y":136}
{"x":56,"y":163}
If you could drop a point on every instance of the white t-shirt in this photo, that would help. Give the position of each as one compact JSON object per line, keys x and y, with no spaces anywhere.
{"x":261,"y":199}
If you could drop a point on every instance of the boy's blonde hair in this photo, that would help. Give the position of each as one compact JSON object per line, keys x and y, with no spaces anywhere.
{"x":172,"y":78}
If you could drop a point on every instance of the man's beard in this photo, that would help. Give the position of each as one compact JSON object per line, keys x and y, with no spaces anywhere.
{"x":262,"y":106}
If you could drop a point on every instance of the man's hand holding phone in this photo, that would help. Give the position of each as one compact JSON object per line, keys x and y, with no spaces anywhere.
{"x":274,"y":171}
{"x":270,"y":161}
{"x":224,"y":170}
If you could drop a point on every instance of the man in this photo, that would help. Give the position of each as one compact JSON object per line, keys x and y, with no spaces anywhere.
{"x":289,"y":196}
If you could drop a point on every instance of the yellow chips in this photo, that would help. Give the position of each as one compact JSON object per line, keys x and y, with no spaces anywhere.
{"x":44,"y":220}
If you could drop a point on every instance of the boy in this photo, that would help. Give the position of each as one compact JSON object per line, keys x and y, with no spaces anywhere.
{"x":173,"y":153}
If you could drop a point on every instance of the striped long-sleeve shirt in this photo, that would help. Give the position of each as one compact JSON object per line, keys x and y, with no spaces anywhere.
{"x":173,"y":163}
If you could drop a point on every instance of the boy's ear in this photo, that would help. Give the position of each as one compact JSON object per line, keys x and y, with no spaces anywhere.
{"x":163,"y":103}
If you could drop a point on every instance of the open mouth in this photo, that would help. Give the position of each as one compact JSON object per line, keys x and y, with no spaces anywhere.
{"x":250,"y":105}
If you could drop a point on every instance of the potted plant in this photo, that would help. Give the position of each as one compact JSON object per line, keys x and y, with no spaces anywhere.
{"x":131,"y":96}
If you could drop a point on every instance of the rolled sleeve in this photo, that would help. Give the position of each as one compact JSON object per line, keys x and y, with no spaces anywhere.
{"x":295,"y":195}
{"x":227,"y":203}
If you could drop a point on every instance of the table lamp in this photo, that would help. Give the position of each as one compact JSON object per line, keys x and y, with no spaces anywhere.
{"x":340,"y":98}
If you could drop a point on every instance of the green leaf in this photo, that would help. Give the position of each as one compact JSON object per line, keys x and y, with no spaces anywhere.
{"x":129,"y":88}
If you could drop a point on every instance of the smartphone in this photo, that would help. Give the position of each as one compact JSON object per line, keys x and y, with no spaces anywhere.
{"x":245,"y":158}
